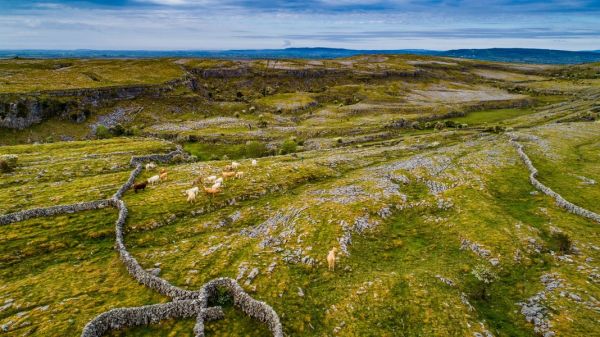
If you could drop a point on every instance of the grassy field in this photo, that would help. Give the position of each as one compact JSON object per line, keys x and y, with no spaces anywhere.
{"x":18,"y":76}
{"x":439,"y":231}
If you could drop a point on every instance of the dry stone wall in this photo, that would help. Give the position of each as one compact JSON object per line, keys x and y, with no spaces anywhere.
{"x":560,"y":201}
{"x":52,"y":211}
{"x":185,"y":303}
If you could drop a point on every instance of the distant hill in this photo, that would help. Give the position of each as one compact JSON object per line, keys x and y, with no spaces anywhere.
{"x":312,"y":53}
{"x":520,"y":55}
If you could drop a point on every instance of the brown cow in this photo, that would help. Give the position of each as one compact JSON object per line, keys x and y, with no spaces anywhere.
{"x":140,"y":186}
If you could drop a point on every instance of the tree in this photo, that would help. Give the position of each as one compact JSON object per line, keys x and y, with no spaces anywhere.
{"x":288,"y":146}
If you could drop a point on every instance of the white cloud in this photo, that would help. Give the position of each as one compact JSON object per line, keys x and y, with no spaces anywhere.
{"x":176,"y":2}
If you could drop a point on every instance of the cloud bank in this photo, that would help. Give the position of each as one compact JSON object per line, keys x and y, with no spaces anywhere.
{"x":229,"y":24}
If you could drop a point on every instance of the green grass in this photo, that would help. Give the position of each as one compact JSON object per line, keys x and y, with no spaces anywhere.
{"x":491,"y":116}
{"x":386,"y":286}
{"x":22,"y":76}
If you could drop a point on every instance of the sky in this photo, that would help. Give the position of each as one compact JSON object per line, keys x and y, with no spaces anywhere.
{"x":246,"y":24}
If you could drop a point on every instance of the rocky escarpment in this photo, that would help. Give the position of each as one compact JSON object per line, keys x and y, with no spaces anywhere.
{"x":299,"y":72}
{"x":19,"y":111}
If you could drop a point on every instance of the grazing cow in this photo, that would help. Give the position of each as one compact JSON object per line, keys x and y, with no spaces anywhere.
{"x":228,"y":174}
{"x":239,"y":174}
{"x":254,"y":162}
{"x":191,"y":194}
{"x":197,"y":181}
{"x":140,"y":186}
{"x":150,"y":166}
{"x":331,"y":259}
{"x":211,"y":191}
{"x":211,"y":179}
{"x":163,"y":176}
{"x":153,"y":180}
{"x":235,"y":165}
{"x":217,"y":185}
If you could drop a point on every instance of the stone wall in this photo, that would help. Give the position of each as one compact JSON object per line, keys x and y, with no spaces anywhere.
{"x":185,"y":303}
{"x":150,"y":314}
{"x":53,"y":211}
{"x":560,"y":201}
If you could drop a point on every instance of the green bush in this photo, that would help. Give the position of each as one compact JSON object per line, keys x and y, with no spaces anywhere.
{"x":288,"y":146}
{"x":478,"y":285}
{"x":8,"y":163}
{"x":439,"y":126}
{"x":495,"y":129}
{"x":102,"y":132}
{"x":450,"y":124}
{"x":178,"y":158}
{"x":254,"y":149}
{"x":416,"y":126}
{"x":560,"y":242}
{"x":117,"y":130}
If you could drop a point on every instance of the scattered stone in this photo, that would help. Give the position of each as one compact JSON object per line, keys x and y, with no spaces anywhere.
{"x":6,"y":326}
{"x":534,"y":310}
{"x":253,"y":273}
{"x":445,"y":280}
{"x":241,"y":270}
{"x":212,"y":249}
{"x":300,"y":292}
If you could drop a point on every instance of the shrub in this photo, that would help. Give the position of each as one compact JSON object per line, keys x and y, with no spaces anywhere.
{"x":8,"y":163}
{"x":117,"y":130}
{"x":560,"y":242}
{"x":439,"y":126}
{"x":262,"y":123}
{"x":221,"y":298}
{"x":288,"y":146}
{"x":178,"y":158}
{"x":102,"y":132}
{"x":254,"y":149}
{"x":495,"y":129}
{"x":416,"y":126}
{"x":268,"y":90}
{"x":483,"y":277}
{"x":450,"y":124}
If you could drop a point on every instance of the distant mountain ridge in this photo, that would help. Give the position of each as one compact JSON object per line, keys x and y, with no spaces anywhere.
{"x":524,"y":55}
{"x":520,"y":55}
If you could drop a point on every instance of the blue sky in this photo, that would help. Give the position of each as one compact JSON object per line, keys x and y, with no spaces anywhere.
{"x":245,"y":24}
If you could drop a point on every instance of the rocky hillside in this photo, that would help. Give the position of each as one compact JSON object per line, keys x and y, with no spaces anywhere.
{"x":459,"y":197}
